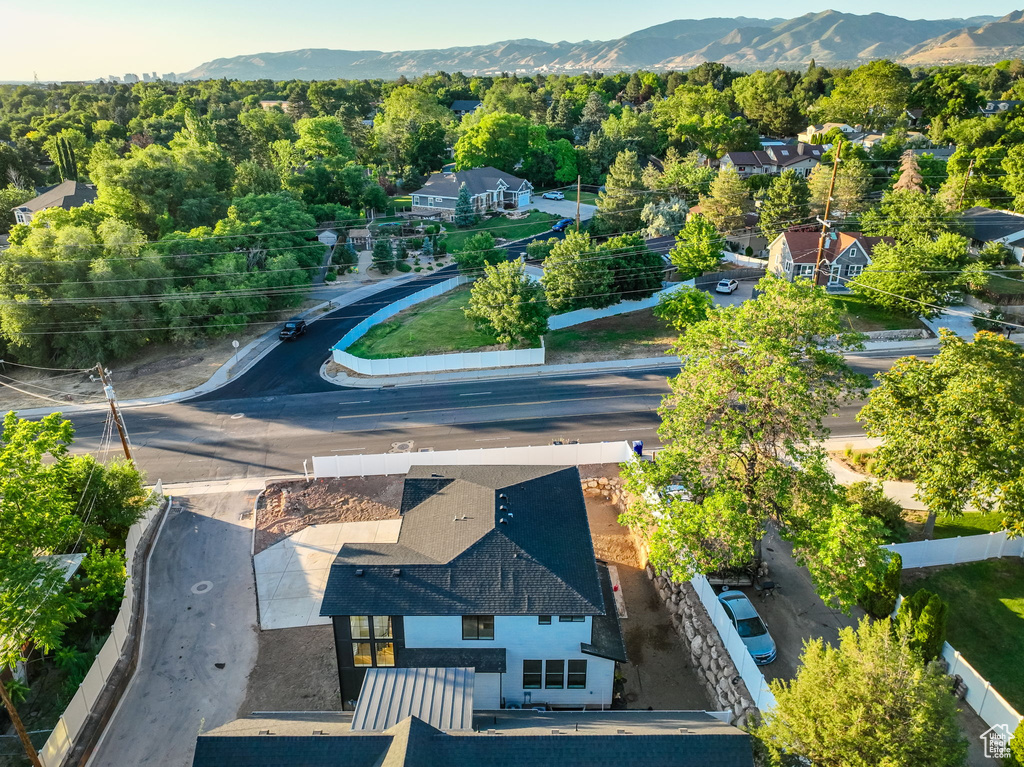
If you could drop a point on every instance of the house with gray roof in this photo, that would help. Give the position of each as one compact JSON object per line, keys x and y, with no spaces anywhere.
{"x":463,"y":107}
{"x":500,"y":738}
{"x":68,"y":195}
{"x":775,"y":158}
{"x":489,"y":190}
{"x":493,"y":570}
{"x":984,"y":225}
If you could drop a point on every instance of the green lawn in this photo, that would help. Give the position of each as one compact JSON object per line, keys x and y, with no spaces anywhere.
{"x":1009,"y":282}
{"x":436,"y":326}
{"x":536,"y":223}
{"x":986,"y":618}
{"x":403,"y":202}
{"x":971,"y":523}
{"x":586,"y":198}
{"x":861,"y":315}
{"x":636,"y":334}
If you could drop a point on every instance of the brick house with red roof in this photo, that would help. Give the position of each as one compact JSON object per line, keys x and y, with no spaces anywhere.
{"x":793,"y":254}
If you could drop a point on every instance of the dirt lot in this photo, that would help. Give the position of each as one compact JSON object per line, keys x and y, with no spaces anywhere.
{"x":659,"y":673}
{"x":287,"y":507}
{"x":296,"y":670}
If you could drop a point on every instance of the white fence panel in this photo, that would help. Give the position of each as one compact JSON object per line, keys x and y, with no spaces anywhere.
{"x":70,"y":723}
{"x":741,"y":658}
{"x":580,"y":316}
{"x":981,"y":695}
{"x":436,"y":363}
{"x":539,"y":455}
{"x":953,"y":551}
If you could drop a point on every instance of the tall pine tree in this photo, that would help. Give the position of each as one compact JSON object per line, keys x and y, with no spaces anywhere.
{"x":787,"y":204}
{"x":619,"y":205}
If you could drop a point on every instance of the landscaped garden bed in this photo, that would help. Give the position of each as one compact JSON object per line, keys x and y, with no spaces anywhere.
{"x":986,"y":617}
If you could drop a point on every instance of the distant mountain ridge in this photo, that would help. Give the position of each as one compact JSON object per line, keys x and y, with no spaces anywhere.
{"x":746,"y":43}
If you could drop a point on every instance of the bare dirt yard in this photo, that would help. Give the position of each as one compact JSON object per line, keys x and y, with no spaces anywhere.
{"x":287,"y":507}
{"x":296,"y":670}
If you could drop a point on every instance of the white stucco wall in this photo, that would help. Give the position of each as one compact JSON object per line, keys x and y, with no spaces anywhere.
{"x":524,"y":639}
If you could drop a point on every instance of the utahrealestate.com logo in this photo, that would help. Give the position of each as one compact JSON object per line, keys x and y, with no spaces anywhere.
{"x":997,"y":741}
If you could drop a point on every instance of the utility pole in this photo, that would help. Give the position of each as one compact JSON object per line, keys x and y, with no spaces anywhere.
{"x":963,"y":189}
{"x":577,"y":204}
{"x":828,"y":206}
{"x":26,"y":742}
{"x":108,"y":389}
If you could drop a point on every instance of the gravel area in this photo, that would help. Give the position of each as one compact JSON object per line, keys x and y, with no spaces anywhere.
{"x":287,"y":507}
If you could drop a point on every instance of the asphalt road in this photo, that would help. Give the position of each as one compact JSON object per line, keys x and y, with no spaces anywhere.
{"x":200,"y":636}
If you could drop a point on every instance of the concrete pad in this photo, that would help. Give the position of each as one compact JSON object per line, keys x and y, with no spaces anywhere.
{"x":957,"y":319}
{"x":291,"y":575}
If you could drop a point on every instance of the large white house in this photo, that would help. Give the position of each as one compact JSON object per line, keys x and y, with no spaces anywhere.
{"x":493,"y":570}
{"x":489,"y":190}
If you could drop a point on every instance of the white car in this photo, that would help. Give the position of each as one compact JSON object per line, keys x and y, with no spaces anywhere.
{"x":553,"y":196}
{"x":726,"y":286}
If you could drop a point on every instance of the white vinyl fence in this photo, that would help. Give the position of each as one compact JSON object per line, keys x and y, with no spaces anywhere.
{"x":954,"y":551}
{"x":559,"y":321}
{"x":981,"y":695}
{"x":738,"y":652}
{"x":62,"y":739}
{"x":540,"y":455}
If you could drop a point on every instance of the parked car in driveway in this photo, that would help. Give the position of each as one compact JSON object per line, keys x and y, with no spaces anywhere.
{"x":292,"y":330}
{"x":726,"y":286}
{"x":749,"y":625}
{"x":553,"y":196}
{"x":562,"y":225}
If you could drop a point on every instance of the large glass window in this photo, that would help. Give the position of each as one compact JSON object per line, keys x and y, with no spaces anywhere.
{"x":385,"y":653}
{"x":531,"y":674}
{"x":382,"y":627}
{"x":478,"y":627}
{"x":554,"y":674}
{"x":359,"y":626}
{"x":361,"y":654}
{"x":577,"y":675}
{"x":571,"y":619}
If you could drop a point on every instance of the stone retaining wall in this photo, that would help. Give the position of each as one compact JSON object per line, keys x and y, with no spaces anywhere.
{"x":897,"y":335}
{"x":691,"y":621}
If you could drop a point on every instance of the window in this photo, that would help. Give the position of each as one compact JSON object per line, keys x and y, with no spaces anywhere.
{"x":361,"y":654}
{"x":360,"y":626}
{"x":571,"y":619}
{"x":544,"y":620}
{"x":384,"y":653}
{"x":478,"y":627}
{"x":854,"y":270}
{"x":554,"y":674}
{"x":430,"y":202}
{"x":382,"y":627}
{"x":577,"y":675}
{"x":853,"y":251}
{"x":531,"y":674}
{"x":415,"y":199}
{"x":806,"y":270}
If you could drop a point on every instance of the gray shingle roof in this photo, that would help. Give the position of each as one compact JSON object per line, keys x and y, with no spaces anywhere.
{"x":484,"y":660}
{"x":464,"y":105}
{"x":459,"y":552}
{"x":477,"y":181}
{"x":68,"y":195}
{"x":986,"y":224}
{"x":606,"y":639}
{"x":585,"y":739}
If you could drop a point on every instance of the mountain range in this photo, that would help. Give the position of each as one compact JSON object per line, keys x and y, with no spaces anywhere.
{"x":828,"y":37}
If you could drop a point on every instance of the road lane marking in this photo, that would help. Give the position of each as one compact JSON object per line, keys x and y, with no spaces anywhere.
{"x":492,"y":439}
{"x":659,"y":395}
{"x":476,"y":394}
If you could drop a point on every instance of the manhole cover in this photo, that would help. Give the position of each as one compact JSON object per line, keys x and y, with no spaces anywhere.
{"x":236,"y":416}
{"x":202,"y":587}
{"x":401,"y":447}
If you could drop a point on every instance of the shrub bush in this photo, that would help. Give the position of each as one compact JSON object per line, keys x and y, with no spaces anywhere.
{"x":875,"y":503}
{"x":403,"y":266}
{"x":880,"y":599}
{"x":924,"y":615}
{"x":331,"y":276}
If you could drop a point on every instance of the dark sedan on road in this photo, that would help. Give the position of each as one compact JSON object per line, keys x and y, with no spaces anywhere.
{"x":562,"y":225}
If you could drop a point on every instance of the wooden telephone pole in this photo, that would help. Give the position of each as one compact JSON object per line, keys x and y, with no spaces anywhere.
{"x":577,"y":204}
{"x":828,"y":207}
{"x":963,"y":189}
{"x":108,"y":389}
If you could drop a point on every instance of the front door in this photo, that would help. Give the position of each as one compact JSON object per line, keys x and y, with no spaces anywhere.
{"x":833,"y":274}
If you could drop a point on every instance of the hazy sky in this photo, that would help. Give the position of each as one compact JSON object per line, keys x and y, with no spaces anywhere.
{"x":85,"y":39}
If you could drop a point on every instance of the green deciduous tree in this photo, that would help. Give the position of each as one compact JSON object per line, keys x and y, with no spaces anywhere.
{"x":464,"y":213}
{"x":681,"y":176}
{"x":700,"y":117}
{"x":907,"y":216}
{"x":953,"y":424}
{"x":498,"y":140}
{"x":684,"y":307}
{"x":664,"y":218}
{"x":767,"y":100}
{"x":478,"y":251}
{"x":699,"y":248}
{"x":786,"y":204}
{"x":853,"y":182}
{"x":914,"y":275}
{"x":881,"y":592}
{"x":637,"y":271}
{"x":576,"y":276}
{"x":870,"y":701}
{"x":510,"y":304}
{"x":741,"y":431}
{"x":874,"y":95}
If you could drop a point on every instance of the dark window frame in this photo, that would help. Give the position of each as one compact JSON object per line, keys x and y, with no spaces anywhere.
{"x":572,"y":618}
{"x":536,"y":678}
{"x":543,"y":620}
{"x":476,"y":627}
{"x":572,"y":677}
{"x":554,"y":678}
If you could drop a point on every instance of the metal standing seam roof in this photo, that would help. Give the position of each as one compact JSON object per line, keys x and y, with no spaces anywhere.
{"x":441,"y":697}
